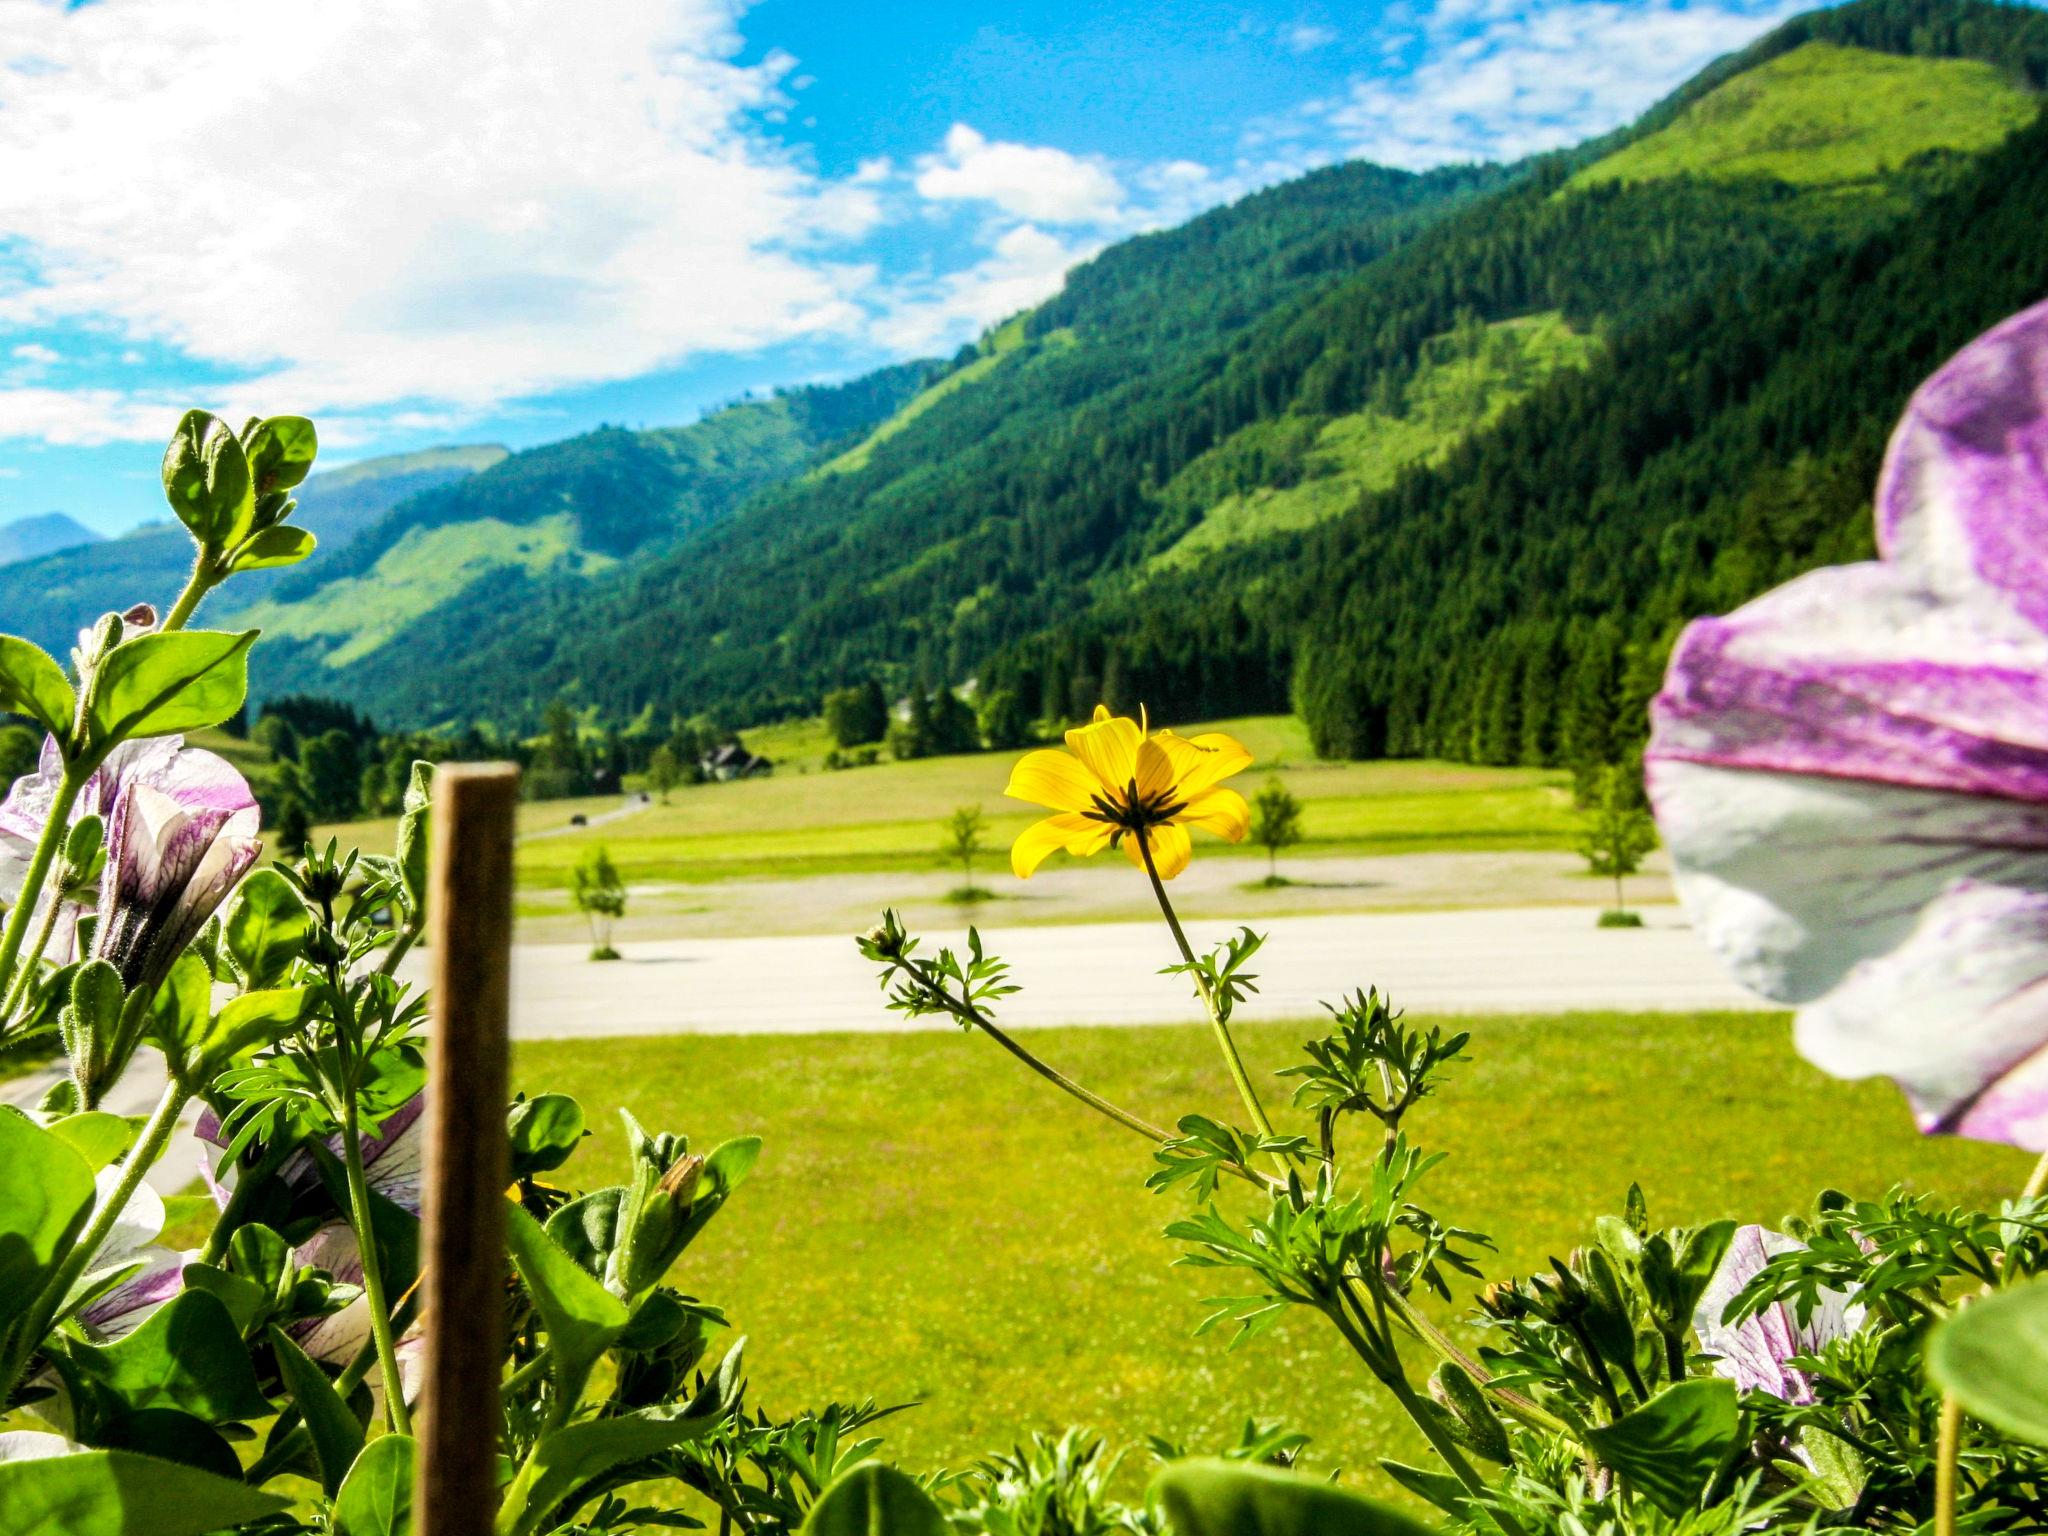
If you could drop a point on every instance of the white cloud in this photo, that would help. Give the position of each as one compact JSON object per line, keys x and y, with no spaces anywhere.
{"x":367,"y":203}
{"x":36,"y":352}
{"x":1025,"y":266}
{"x":1499,"y":79}
{"x":1027,"y":181}
{"x":1308,"y":37}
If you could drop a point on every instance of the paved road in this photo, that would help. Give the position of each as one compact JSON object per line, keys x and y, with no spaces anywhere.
{"x":1502,"y":960}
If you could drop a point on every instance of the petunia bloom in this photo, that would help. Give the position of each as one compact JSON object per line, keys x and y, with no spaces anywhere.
{"x":197,"y":782}
{"x":177,"y":844}
{"x":1118,"y":784}
{"x":393,"y":1167}
{"x":149,"y":1274}
{"x":1757,"y":1353}
{"x":1851,"y":772}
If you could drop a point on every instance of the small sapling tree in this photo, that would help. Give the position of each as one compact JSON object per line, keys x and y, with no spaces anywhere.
{"x":663,"y":771}
{"x":1276,"y":824}
{"x":600,"y":896}
{"x":964,"y":841}
{"x":1616,"y":835}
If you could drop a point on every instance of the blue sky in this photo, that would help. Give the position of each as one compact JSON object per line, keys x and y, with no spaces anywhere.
{"x":477,"y":221}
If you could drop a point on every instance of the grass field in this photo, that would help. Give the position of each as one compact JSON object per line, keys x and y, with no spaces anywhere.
{"x":804,"y":821}
{"x":1823,"y":115}
{"x":929,"y":1222}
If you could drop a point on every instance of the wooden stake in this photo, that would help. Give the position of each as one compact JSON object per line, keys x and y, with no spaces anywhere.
{"x":469,"y":914}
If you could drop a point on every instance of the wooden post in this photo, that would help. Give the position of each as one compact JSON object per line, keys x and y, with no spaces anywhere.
{"x":469,"y":915}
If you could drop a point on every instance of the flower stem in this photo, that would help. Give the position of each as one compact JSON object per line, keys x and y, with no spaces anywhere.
{"x":2037,"y":1180}
{"x":1948,"y":1449}
{"x":1229,"y":1046}
{"x":55,"y":830}
{"x":196,"y":588}
{"x":36,"y":949}
{"x":141,"y":1158}
{"x":395,"y":1414}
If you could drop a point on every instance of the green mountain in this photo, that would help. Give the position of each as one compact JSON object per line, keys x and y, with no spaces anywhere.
{"x":1442,"y":460}
{"x":50,"y":598}
{"x":459,"y":558}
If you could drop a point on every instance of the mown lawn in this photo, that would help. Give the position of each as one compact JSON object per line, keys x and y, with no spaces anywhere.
{"x":931,"y":1223}
{"x":806,"y":821}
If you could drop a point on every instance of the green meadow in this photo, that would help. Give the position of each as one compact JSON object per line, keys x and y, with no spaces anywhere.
{"x":804,"y":820}
{"x":930,"y":1224}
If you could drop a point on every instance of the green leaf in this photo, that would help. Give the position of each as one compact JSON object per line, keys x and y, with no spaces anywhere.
{"x":1993,"y":1355}
{"x":266,"y":927}
{"x":280,"y":451}
{"x":207,"y":480}
{"x":272,"y":548}
{"x":45,"y":1200}
{"x":337,"y":1437}
{"x":160,"y":684}
{"x":119,"y":1493}
{"x":188,"y":1354}
{"x":415,"y":825}
{"x":569,"y":1457}
{"x":173,"y":1436}
{"x":1671,"y":1447}
{"x":544,"y":1131}
{"x":582,"y":1317}
{"x":94,"y":1135}
{"x":376,"y":1496}
{"x":874,"y":1500}
{"x":32,"y":684}
{"x":1212,"y":1497}
{"x":244,"y":1299}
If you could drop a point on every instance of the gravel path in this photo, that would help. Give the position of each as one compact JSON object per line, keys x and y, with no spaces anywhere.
{"x":1535,"y":959}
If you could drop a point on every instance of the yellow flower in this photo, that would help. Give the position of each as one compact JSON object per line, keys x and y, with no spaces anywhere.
{"x":1117,"y":784}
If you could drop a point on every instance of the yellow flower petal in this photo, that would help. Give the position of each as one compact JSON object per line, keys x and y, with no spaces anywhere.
{"x":1079,"y":835}
{"x":1053,"y":779}
{"x":1221,"y":811}
{"x":1109,"y":747}
{"x":1156,"y":773}
{"x":1203,"y":760}
{"x":1171,"y":849}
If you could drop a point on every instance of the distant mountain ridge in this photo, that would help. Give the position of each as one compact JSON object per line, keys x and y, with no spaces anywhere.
{"x":28,"y":538}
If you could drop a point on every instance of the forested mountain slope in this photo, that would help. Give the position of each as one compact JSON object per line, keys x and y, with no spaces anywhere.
{"x":467,"y":557}
{"x":1400,"y":426}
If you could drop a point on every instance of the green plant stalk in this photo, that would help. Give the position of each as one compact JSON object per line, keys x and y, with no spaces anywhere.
{"x":396,"y":1416}
{"x":224,"y":1227}
{"x":202,"y":582}
{"x":25,"y":976}
{"x":1949,"y":1440}
{"x":1231,"y":1058}
{"x":1515,"y":1404}
{"x":1947,"y":1451}
{"x":1385,"y":1364}
{"x":156,"y":1133}
{"x":55,"y":830}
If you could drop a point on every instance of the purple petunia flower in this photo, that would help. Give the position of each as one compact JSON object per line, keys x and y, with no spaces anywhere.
{"x":1851,"y":772}
{"x":1756,"y":1353}
{"x":153,"y":1275}
{"x":200,"y":825}
{"x":393,"y":1164}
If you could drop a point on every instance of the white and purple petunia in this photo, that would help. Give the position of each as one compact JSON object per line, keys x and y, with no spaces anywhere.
{"x":1757,"y":1353}
{"x":1851,"y":772}
{"x":146,"y":1274}
{"x":393,"y":1164}
{"x":181,"y":829}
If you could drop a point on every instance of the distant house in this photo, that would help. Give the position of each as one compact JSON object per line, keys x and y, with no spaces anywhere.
{"x":733,"y":761}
